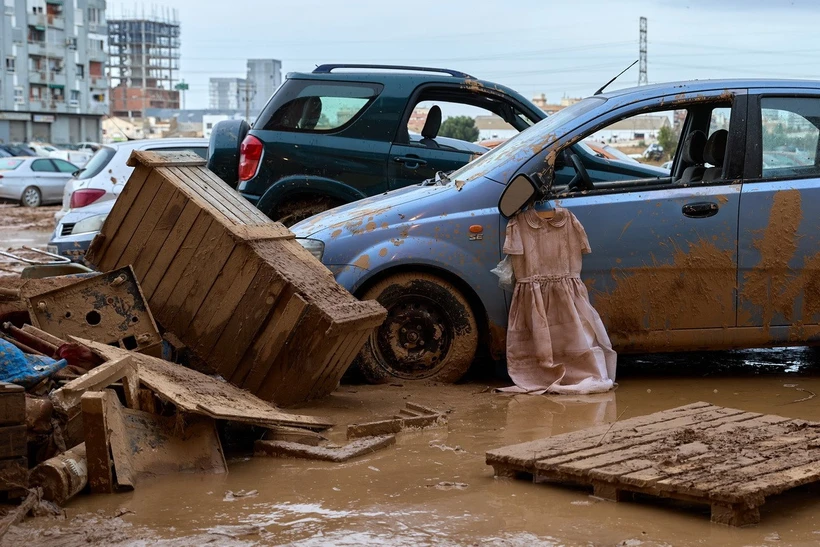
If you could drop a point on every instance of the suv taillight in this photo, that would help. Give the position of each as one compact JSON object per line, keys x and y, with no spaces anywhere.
{"x":81,"y":198}
{"x":250,"y":152}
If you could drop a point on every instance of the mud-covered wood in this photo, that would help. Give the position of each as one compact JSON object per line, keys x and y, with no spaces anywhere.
{"x":354,"y":449}
{"x":236,"y":288}
{"x":12,"y":404}
{"x":727,"y":458}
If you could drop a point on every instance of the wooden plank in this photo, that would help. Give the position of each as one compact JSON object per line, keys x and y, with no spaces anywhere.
{"x":213,"y":195}
{"x":172,"y":275}
{"x":196,"y":393}
{"x":156,"y":158}
{"x":168,"y":217}
{"x":256,"y":363}
{"x":97,"y":443}
{"x":197,"y":278}
{"x":355,"y":449}
{"x":100,"y":245}
{"x":208,"y":177}
{"x":67,"y":398}
{"x":13,"y":441}
{"x":154,"y":274}
{"x":121,"y":239}
{"x":141,"y":236}
{"x":220,"y":212}
{"x":12,"y":404}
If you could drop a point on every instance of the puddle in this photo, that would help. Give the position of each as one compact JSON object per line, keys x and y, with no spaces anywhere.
{"x":417,"y":493}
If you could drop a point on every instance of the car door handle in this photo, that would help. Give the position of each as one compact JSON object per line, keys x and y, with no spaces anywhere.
{"x":411,"y":162}
{"x":701,"y":209}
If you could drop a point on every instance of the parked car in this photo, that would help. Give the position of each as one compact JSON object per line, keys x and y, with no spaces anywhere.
{"x":721,"y":252}
{"x":334,"y":136}
{"x":105,"y":174}
{"x":74,"y":232}
{"x":17,"y":149}
{"x":32,"y":181}
{"x":653,"y":152}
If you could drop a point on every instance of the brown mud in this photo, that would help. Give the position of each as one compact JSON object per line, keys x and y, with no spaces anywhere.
{"x":433,"y":487}
{"x":23,"y":226}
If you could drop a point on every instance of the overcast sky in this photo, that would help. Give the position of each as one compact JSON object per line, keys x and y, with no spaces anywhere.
{"x":534,"y":46}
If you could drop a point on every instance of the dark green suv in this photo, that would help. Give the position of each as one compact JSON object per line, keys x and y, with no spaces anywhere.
{"x":345,"y":132}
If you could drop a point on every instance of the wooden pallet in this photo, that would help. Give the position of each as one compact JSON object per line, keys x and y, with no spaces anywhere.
{"x":236,"y":288}
{"x":727,"y":458}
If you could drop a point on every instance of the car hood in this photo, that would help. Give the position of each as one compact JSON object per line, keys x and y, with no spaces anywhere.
{"x":359,"y":213}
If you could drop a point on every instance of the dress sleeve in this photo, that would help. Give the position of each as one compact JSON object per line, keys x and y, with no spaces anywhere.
{"x":582,"y":235}
{"x":512,"y":242}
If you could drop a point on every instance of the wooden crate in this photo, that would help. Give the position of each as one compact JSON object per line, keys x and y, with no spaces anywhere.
{"x":13,"y":448}
{"x":235,"y":287}
{"x":726,"y":458}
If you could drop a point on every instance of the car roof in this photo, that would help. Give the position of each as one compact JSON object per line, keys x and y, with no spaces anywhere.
{"x":695,"y":86}
{"x":172,"y":141}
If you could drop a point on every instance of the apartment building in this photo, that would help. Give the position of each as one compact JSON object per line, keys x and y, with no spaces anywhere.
{"x":53,"y":86}
{"x":264,"y":77}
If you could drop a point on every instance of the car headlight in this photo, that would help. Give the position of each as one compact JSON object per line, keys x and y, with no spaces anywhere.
{"x":314,"y":247}
{"x":90,"y":224}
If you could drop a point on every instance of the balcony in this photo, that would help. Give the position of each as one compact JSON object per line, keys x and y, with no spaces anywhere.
{"x":96,"y":54}
{"x":56,"y":21}
{"x":98,"y":82}
{"x":36,"y":77}
{"x":100,"y":109}
{"x":36,"y":48}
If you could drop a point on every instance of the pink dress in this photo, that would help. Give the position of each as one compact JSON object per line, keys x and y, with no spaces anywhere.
{"x":556,"y":341}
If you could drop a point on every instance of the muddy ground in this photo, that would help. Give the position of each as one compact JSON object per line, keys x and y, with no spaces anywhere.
{"x":433,"y":487}
{"x":21,"y":226}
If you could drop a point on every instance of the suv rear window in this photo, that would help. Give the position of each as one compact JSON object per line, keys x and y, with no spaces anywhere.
{"x":97,"y":163}
{"x":305,"y":105}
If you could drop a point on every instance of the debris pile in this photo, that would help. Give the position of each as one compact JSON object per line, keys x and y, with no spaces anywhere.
{"x":205,"y":315}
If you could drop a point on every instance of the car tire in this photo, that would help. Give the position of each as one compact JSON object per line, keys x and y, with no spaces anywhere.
{"x":430,"y":332}
{"x":31,"y":197}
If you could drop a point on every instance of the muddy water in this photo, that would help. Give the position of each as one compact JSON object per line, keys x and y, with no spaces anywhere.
{"x":21,"y":226}
{"x":434,"y":488}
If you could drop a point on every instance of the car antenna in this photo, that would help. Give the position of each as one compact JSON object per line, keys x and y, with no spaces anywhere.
{"x":601,"y":90}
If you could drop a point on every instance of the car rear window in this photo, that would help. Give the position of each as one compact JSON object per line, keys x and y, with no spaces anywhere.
{"x":97,"y":163}
{"x":310,"y":106}
{"x":8,"y":164}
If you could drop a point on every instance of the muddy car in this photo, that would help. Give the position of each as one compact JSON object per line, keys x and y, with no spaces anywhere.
{"x":345,"y":132}
{"x":720,"y":252}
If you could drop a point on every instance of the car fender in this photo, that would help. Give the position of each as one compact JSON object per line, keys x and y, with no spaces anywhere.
{"x":299,"y":184}
{"x":472,"y":269}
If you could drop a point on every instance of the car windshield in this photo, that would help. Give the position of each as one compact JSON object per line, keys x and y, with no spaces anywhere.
{"x":531,"y":140}
{"x":97,"y":163}
{"x":7,"y":164}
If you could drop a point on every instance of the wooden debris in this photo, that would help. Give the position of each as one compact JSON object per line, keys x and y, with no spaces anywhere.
{"x":233,"y":286}
{"x":67,"y":398}
{"x":727,"y":458}
{"x":294,"y":435}
{"x":413,"y":416}
{"x":195,"y":393}
{"x":62,"y":477}
{"x":12,"y":404}
{"x":19,"y":513}
{"x":97,"y":442}
{"x":43,"y":336}
{"x":13,"y":439}
{"x":361,"y":447}
{"x":109,"y":308}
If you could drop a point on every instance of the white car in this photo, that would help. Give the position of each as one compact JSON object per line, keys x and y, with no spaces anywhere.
{"x":32,"y":181}
{"x":105,"y":174}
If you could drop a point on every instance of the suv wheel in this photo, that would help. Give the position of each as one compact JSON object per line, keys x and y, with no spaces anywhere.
{"x":31,"y":197}
{"x":430,"y":332}
{"x":298,"y":208}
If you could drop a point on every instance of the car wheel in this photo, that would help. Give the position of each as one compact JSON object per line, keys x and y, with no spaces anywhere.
{"x":31,"y":197}
{"x":298,"y":208}
{"x":430,"y":332}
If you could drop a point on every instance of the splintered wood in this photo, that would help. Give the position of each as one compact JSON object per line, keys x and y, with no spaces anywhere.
{"x":727,"y":458}
{"x":235,"y":287}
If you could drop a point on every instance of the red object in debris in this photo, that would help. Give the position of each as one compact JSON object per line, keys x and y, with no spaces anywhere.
{"x":86,"y":196}
{"x":250,"y":152}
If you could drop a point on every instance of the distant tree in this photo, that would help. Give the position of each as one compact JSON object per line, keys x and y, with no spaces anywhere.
{"x":459,"y":127}
{"x":668,"y":139}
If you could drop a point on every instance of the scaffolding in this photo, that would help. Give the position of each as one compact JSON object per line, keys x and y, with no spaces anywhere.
{"x":143,"y":57}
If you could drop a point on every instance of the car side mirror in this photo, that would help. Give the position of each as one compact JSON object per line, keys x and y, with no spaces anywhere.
{"x":516,"y":195}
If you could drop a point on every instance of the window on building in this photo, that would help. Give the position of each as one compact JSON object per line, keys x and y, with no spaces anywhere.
{"x":80,"y":71}
{"x":96,"y":45}
{"x":791,"y":136}
{"x":11,"y":64}
{"x":19,"y":97}
{"x":74,"y":97}
{"x":94,"y":16}
{"x":34,"y":92}
{"x":57,"y":94}
{"x":95,"y":69}
{"x":36,"y":35}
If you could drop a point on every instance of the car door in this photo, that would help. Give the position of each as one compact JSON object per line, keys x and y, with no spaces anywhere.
{"x":65,"y":169}
{"x":664,"y":254}
{"x":49,"y":179}
{"x":779,"y":236}
{"x":420,"y":159}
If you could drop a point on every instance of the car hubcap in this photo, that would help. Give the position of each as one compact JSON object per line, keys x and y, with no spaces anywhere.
{"x":30,"y":197}
{"x":415,"y":338}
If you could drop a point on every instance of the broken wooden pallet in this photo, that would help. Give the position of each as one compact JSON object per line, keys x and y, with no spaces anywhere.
{"x":236,"y":288}
{"x":727,"y":458}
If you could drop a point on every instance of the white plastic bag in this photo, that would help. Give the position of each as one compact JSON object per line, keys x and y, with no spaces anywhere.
{"x":506,"y":276}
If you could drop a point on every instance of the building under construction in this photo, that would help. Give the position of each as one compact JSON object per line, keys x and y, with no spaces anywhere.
{"x":143,"y":56}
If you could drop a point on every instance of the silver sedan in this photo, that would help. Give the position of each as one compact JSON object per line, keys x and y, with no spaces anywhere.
{"x":33,"y":181}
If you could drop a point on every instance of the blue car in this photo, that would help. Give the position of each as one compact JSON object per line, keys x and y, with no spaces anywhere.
{"x":721,"y":251}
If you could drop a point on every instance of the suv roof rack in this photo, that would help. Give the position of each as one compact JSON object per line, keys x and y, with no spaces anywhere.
{"x":326,"y":69}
